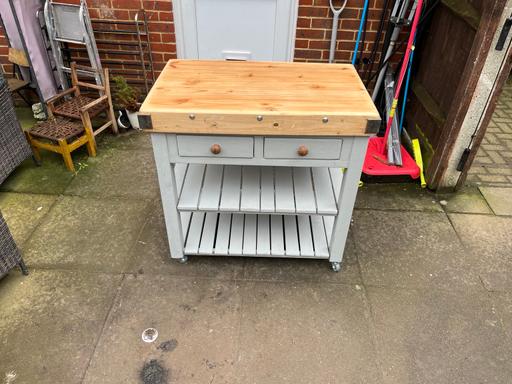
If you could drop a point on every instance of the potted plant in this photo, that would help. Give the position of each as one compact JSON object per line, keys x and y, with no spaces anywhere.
{"x":126,"y":98}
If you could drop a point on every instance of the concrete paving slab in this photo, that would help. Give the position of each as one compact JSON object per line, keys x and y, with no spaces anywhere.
{"x":500,"y":199}
{"x":50,"y":324}
{"x":117,"y":173}
{"x":503,"y":307}
{"x":435,"y":337}
{"x":411,"y":249}
{"x":51,"y":178}
{"x":305,"y":270}
{"x":151,"y":255}
{"x":305,"y":333}
{"x":467,"y":200}
{"x":87,"y":234}
{"x":23,"y":213}
{"x":198,"y":328}
{"x":403,"y":197}
{"x":490,"y":247}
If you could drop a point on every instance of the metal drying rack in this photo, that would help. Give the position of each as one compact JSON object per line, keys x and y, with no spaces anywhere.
{"x":141,"y":66}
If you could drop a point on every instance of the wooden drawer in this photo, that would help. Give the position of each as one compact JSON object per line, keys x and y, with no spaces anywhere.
{"x":306,"y":148}
{"x":207,"y":146}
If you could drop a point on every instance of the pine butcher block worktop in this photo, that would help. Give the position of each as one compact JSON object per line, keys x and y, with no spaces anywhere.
{"x":259,"y":98}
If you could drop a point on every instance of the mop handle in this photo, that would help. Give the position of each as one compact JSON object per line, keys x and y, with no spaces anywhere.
{"x":361,"y":25}
{"x":403,"y":70}
{"x":406,"y":90}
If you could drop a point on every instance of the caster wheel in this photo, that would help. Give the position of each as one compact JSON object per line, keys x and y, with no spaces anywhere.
{"x":336,"y":267}
{"x":183,"y":260}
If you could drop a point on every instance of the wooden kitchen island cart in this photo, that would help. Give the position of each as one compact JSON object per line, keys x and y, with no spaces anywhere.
{"x":258,"y":159}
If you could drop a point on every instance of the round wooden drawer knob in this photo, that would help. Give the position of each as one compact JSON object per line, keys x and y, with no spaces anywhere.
{"x":303,"y":150}
{"x":215,"y":149}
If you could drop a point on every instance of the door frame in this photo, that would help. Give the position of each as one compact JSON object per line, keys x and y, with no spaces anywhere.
{"x":489,"y":23}
{"x":490,"y":106}
{"x":488,"y":72}
{"x":183,"y":40}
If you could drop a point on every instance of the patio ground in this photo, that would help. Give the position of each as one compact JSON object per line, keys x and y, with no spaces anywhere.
{"x":493,"y":162}
{"x":424,"y":296}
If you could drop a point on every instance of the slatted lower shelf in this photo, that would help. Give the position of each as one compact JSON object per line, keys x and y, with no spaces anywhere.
{"x":233,"y":188}
{"x":209,"y":233}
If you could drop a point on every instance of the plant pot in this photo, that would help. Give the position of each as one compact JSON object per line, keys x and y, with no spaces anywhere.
{"x":122,"y":120}
{"x":134,"y":120}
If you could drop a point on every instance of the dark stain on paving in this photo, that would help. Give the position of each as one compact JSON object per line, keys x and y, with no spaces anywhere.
{"x":154,"y":373}
{"x":210,"y":364}
{"x":187,"y":307}
{"x":169,"y":345}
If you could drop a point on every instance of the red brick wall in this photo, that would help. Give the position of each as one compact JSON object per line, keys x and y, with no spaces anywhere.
{"x":3,"y":53}
{"x":160,"y":24}
{"x":313,"y":27}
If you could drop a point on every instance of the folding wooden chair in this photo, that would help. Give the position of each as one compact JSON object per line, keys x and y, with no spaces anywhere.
{"x":71,"y":102}
{"x":16,"y":84}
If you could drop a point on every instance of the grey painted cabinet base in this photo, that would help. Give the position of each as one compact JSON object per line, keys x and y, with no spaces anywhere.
{"x":258,"y":196}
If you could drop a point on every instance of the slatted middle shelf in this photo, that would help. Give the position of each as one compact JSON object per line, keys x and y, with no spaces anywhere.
{"x":273,"y":190}
{"x":223,"y":234}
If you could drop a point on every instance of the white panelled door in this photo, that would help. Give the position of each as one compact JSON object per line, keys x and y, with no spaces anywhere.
{"x":235,"y":29}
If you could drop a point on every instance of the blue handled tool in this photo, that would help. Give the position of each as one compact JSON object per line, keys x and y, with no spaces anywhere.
{"x":406,"y":90}
{"x":361,"y":25}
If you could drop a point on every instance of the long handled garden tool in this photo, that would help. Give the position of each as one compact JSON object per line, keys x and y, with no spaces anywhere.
{"x":376,"y":160}
{"x":361,"y":25}
{"x":419,"y":160}
{"x":335,"y":22}
{"x":394,"y":153}
{"x":406,"y":90}
{"x":425,"y":15}
{"x":376,"y":44}
{"x":403,"y":70}
{"x":399,"y":18}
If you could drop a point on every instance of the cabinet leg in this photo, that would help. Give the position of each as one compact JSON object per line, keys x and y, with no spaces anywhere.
{"x":336,"y":267}
{"x":183,"y":260}
{"x":23,"y":267}
{"x":169,"y":193}
{"x":346,"y":201}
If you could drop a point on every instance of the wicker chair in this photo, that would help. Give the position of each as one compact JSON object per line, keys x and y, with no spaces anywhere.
{"x":14,"y":149}
{"x":74,"y":105}
{"x":10,"y":255}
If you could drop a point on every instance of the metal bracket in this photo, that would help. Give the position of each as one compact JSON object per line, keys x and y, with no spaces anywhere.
{"x":463,"y":159}
{"x":372,"y":126}
{"x":145,"y":121}
{"x":504,"y":34}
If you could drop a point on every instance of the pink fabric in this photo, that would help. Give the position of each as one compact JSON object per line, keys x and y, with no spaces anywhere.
{"x":26,"y":11}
